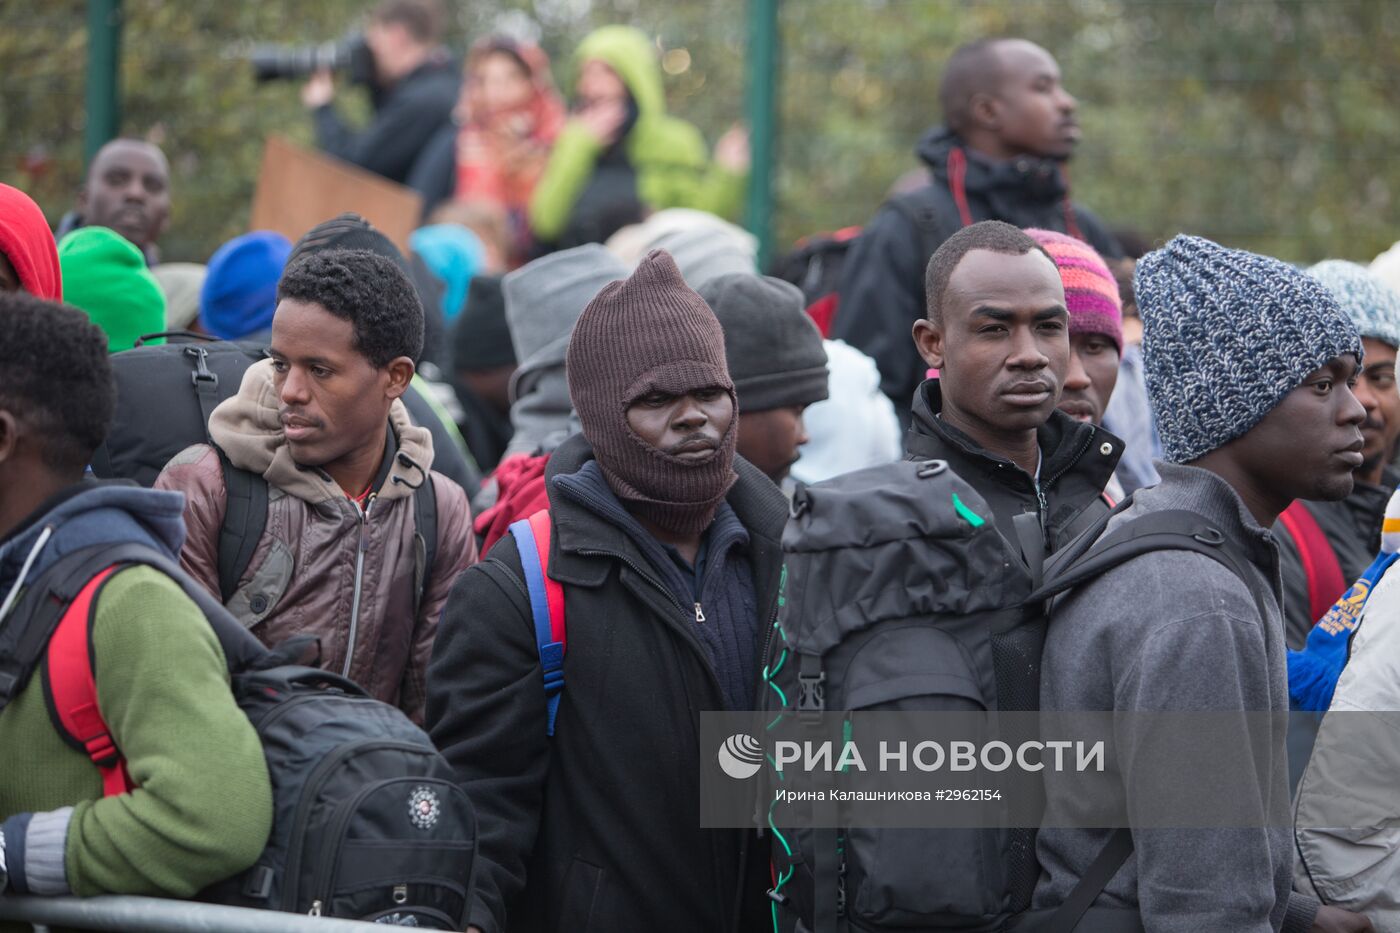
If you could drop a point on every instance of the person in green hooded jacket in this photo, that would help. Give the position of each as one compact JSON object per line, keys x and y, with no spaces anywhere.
{"x":621,"y":155}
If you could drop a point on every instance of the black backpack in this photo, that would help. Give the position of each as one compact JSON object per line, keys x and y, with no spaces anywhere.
{"x":815,"y":264}
{"x":185,"y":382}
{"x":901,"y":594}
{"x":369,"y":822}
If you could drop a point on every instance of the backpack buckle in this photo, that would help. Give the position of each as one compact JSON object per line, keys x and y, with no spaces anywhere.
{"x":202,"y":373}
{"x":811,"y":693}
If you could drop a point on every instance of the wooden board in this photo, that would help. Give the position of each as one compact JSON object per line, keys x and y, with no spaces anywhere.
{"x":299,"y":188}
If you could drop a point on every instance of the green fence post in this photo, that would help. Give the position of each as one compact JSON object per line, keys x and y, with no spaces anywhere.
{"x":763,"y":121}
{"x":104,"y":26}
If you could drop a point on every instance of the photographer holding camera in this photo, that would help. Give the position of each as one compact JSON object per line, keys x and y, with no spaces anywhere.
{"x":413,"y":87}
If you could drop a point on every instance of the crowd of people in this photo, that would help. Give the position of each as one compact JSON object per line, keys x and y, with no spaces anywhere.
{"x":577,"y":378}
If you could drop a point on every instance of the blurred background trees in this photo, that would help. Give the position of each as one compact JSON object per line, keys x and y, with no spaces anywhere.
{"x":1268,"y":124}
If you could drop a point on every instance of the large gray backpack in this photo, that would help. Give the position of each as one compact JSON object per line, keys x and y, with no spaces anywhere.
{"x":901,"y":595}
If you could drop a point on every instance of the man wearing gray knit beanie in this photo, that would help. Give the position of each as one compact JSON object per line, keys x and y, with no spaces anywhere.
{"x":777,"y":361}
{"x":1249,"y":367}
{"x":667,"y":547}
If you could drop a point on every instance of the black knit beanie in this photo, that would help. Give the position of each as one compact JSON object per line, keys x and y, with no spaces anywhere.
{"x":651,"y":332}
{"x":775,"y":352}
{"x":347,"y":231}
{"x":481,"y":336}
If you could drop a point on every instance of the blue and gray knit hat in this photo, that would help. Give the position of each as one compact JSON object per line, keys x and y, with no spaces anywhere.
{"x":1372,"y":305}
{"x":1226,"y":335}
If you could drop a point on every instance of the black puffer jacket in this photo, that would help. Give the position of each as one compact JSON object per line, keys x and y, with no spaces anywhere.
{"x":882,"y":279}
{"x":596,"y":828}
{"x":1076,"y":461}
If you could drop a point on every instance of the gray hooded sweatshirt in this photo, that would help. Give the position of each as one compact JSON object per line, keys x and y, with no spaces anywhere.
{"x":1176,"y":631}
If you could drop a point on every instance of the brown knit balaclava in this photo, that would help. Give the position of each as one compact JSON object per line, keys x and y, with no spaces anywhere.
{"x":651,"y":332}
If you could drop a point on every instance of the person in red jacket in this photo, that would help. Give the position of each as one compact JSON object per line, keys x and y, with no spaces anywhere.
{"x":28,"y":254}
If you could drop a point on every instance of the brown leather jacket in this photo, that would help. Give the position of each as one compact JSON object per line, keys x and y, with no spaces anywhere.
{"x":307,"y":575}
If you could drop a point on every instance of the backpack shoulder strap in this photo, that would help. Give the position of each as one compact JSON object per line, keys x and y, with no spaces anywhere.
{"x":1096,"y":877}
{"x":26,"y":631}
{"x":70,"y":688}
{"x":1172,"y":529}
{"x":532,"y":540}
{"x":245,"y":518}
{"x":206,"y":382}
{"x":935,"y":218}
{"x":52,"y":630}
{"x":1325,"y":581}
{"x":425,"y":526}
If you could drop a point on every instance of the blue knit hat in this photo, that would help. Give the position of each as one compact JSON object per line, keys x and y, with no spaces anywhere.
{"x":1226,"y":335}
{"x":240,"y":285}
{"x":1372,"y":305}
{"x":454,"y":254}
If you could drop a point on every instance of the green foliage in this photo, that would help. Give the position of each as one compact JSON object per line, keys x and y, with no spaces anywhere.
{"x":1268,"y":124}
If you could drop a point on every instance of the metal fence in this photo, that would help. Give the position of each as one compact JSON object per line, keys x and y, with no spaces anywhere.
{"x":156,"y":915}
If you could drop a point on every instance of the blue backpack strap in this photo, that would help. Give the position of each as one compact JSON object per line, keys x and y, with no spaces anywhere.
{"x":532,"y":541}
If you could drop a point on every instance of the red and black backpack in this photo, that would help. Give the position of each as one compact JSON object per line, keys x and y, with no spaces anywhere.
{"x":370,"y":823}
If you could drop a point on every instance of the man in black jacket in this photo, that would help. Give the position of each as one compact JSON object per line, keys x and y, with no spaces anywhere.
{"x":997,"y":331}
{"x":1009,"y":127}
{"x":413,"y":90}
{"x":667,"y":546}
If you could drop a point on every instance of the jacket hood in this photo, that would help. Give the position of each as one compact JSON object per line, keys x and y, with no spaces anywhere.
{"x":1031,"y":178}
{"x":98,"y":512}
{"x":247,"y":428}
{"x":26,"y":241}
{"x":632,"y":55}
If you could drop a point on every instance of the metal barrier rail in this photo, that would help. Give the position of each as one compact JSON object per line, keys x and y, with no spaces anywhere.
{"x":159,"y":915}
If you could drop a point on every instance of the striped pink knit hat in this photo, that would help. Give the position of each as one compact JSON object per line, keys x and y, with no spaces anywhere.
{"x":1091,"y":292}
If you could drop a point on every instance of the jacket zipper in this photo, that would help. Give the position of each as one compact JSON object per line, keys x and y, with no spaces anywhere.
{"x":1088,"y":439}
{"x":661,"y":588}
{"x":359,"y":579}
{"x":1041,"y":487}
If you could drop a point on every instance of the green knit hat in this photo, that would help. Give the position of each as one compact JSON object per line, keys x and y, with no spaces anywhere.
{"x":106,"y":277}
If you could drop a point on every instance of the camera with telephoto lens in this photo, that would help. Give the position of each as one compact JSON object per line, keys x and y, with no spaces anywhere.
{"x":276,"y":62}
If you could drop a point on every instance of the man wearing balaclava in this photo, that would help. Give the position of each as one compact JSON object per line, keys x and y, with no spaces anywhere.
{"x":667,"y":549}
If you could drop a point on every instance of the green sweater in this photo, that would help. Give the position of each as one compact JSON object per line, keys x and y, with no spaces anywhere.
{"x":202,"y":809}
{"x":669,"y":155}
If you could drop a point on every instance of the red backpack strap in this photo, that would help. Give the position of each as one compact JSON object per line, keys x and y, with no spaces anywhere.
{"x":532,"y":537}
{"x":553,"y":589}
{"x":1325,"y":580}
{"x":823,"y":313}
{"x":70,"y":687}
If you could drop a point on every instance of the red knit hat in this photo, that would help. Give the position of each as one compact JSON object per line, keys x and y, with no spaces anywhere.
{"x":646,"y":333}
{"x":1091,"y":291}
{"x":28,"y":244}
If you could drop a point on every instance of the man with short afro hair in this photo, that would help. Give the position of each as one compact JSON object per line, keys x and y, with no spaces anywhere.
{"x":359,"y":286}
{"x":350,"y":480}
